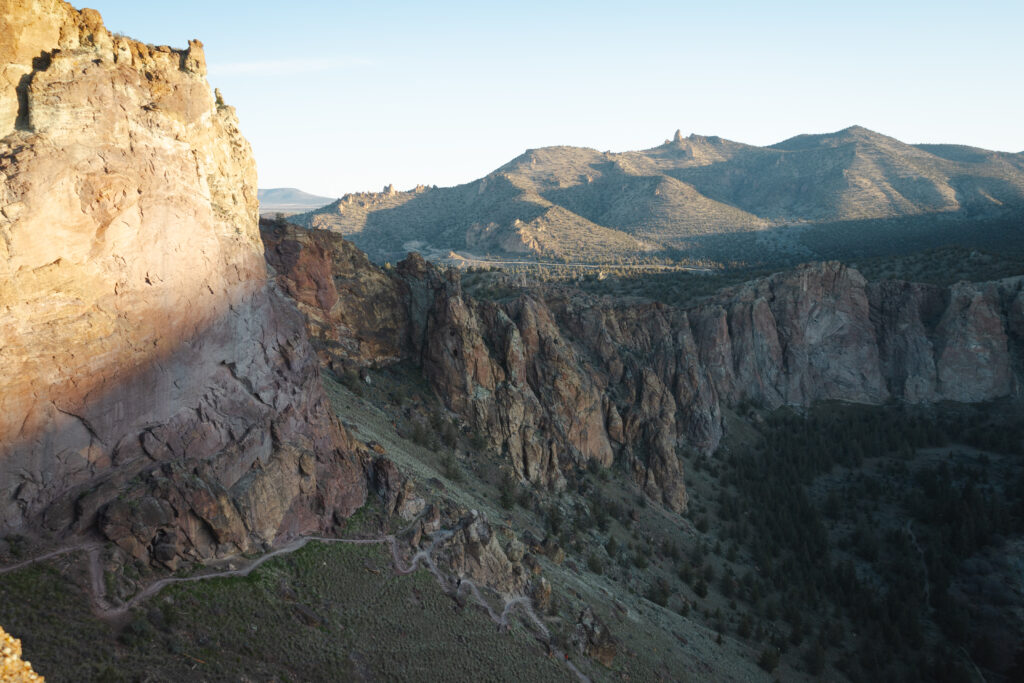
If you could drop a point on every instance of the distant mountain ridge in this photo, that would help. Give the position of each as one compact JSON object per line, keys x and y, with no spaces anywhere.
{"x":289,"y":199}
{"x":696,"y":194}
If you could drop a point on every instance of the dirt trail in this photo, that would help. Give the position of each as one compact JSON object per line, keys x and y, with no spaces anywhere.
{"x":49,"y":556}
{"x":454,"y":588}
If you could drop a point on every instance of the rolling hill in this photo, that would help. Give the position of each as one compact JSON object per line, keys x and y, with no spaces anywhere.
{"x":812,"y":196}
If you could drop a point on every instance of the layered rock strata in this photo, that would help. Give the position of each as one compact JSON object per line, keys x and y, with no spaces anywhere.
{"x":554,"y":378}
{"x":155,"y":382}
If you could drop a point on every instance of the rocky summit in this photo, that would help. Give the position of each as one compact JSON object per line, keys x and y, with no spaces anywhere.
{"x":147,"y":358}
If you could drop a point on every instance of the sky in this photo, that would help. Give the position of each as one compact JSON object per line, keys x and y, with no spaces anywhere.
{"x":340,"y":97}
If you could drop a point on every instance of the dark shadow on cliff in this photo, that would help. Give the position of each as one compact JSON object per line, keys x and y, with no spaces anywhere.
{"x":213,"y":446}
{"x":40,"y":63}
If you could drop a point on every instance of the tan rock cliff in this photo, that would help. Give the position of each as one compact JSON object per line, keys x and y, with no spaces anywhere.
{"x":145,"y":354}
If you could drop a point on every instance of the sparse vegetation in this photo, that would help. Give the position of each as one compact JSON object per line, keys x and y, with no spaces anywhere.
{"x":886,"y":556}
{"x":317,"y":614}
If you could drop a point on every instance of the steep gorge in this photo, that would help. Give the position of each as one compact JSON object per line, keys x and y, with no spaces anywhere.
{"x":161,"y":390}
{"x":554,"y":378}
{"x":156,"y":385}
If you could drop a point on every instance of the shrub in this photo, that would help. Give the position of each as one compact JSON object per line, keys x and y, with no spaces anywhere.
{"x":449,"y":434}
{"x":658,"y":592}
{"x":769,"y":659}
{"x":478,"y":441}
{"x":745,"y":628}
{"x":815,"y":659}
{"x":420,"y":435}
{"x":350,"y":378}
{"x":451,"y":467}
{"x":507,"y":491}
{"x":554,"y":519}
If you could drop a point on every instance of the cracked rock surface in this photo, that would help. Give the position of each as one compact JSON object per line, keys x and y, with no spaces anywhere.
{"x":146,"y":355}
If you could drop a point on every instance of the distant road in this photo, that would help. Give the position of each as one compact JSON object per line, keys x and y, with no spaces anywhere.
{"x":466,"y":262}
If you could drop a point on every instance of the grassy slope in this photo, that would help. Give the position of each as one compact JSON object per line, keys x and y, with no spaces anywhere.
{"x":655,"y":642}
{"x":325,"y":612}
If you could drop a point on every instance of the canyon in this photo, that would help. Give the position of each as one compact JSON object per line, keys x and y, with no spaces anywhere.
{"x":210,"y":404}
{"x":554,"y":378}
{"x":140,"y":356}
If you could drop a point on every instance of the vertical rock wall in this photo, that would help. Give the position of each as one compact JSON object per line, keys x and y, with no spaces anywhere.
{"x":554,"y":378}
{"x":139,"y":336}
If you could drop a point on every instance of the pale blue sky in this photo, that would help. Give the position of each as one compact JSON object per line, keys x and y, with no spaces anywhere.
{"x":347,"y":96}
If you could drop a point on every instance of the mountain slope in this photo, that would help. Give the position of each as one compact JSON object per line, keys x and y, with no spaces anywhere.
{"x":703,"y":196}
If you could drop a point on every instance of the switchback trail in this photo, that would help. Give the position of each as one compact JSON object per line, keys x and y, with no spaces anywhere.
{"x":454,"y":588}
{"x":49,"y":556}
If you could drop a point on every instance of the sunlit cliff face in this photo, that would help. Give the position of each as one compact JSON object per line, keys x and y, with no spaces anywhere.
{"x":132,"y":281}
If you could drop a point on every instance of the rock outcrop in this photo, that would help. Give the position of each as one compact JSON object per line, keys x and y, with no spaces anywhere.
{"x":474,"y":552}
{"x":355,"y":313}
{"x":154,"y":380}
{"x":554,"y":378}
{"x":592,"y":637}
{"x":13,"y":668}
{"x":397,"y":493}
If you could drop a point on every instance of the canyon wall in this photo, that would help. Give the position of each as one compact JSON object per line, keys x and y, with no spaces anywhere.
{"x":155,"y":382}
{"x":553,"y":377}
